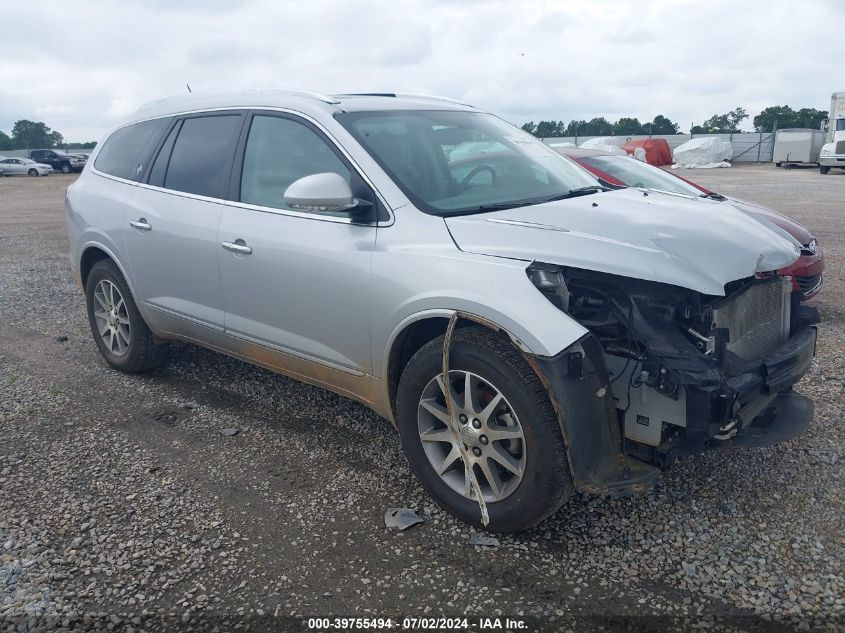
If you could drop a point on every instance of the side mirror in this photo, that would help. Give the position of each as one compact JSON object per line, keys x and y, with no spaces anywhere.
{"x":321,"y":193}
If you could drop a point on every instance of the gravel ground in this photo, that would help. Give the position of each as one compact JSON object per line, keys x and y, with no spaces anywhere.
{"x":123,"y":506}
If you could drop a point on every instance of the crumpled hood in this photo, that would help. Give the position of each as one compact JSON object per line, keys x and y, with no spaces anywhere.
{"x":652,"y":236}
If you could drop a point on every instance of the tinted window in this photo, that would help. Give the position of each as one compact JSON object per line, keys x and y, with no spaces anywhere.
{"x":278,"y":152}
{"x":159,"y":168}
{"x":122,"y":152}
{"x":201,"y":154}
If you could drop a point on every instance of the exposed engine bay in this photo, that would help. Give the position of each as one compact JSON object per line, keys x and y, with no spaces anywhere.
{"x":686,"y":370}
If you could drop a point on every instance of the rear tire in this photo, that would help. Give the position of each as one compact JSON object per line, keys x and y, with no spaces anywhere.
{"x":119,"y":331}
{"x":823,"y":169}
{"x":33,"y":172}
{"x":66,"y":168}
{"x":496,"y":366}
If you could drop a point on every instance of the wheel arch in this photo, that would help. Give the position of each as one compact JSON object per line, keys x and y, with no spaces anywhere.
{"x":94,"y":252}
{"x":415,"y":331}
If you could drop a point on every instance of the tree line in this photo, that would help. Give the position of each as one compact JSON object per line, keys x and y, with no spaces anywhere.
{"x":770,"y":119}
{"x":37,"y":135}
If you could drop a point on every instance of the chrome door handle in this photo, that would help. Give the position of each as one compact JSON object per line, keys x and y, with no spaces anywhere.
{"x":141,"y":224}
{"x":238,"y":246}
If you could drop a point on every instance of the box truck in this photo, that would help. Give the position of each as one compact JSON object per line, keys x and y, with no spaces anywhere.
{"x":833,"y":151}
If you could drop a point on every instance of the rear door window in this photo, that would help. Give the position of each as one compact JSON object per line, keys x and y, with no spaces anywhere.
{"x":122,"y":153}
{"x":202,"y":154}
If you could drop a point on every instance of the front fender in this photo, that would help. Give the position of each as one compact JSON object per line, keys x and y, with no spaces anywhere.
{"x":535,"y":325}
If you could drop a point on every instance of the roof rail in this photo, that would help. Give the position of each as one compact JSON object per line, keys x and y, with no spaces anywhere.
{"x":433,"y":98}
{"x":296,"y":93}
{"x":404,"y":96}
{"x":247,"y":91}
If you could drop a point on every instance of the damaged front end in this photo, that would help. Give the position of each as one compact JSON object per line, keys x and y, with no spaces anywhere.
{"x":666,"y":371}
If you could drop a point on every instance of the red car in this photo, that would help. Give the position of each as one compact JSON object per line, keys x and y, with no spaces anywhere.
{"x":624,"y":171}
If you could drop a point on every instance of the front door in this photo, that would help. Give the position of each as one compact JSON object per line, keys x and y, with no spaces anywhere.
{"x":295,"y":281}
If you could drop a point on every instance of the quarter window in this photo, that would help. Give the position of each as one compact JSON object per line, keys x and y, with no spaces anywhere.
{"x":201,"y":154}
{"x":278,"y":152}
{"x":121,"y":154}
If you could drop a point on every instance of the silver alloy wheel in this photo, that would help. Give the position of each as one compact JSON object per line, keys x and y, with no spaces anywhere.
{"x":112,"y":317}
{"x":489,"y":430}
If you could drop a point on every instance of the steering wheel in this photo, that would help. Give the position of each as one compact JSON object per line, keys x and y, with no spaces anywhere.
{"x":474,"y":172}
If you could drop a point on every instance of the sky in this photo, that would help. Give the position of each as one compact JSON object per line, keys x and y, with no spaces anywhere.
{"x":83,"y":66}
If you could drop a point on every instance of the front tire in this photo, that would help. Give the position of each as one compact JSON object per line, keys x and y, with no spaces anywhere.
{"x":508,"y":425}
{"x":121,"y":335}
{"x":66,"y":168}
{"x":33,"y":172}
{"x":823,"y":169}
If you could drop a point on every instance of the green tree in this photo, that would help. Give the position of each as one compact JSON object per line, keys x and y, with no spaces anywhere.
{"x":56,"y":139}
{"x":530,"y":127}
{"x":32,"y":134}
{"x":5,"y":141}
{"x":546,"y":129}
{"x":781,"y":117}
{"x":722,"y":123}
{"x":811,"y":118}
{"x":598,"y":126}
{"x":575,"y":128}
{"x":736,"y":117}
{"x":662,"y":125}
{"x":627,"y":126}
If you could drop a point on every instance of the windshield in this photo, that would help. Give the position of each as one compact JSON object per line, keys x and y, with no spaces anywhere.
{"x":635,"y":173}
{"x":840,"y":125}
{"x":451,"y":162}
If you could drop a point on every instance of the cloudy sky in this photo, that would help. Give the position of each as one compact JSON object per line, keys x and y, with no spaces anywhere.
{"x":81,"y":66}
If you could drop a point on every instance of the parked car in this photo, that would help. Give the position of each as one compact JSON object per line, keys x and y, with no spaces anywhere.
{"x":512,"y":320}
{"x":58,"y":160}
{"x":23,"y":167}
{"x":806,"y":271}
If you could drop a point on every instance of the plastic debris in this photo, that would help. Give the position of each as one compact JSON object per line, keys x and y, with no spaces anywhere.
{"x":477,"y":538}
{"x":401,"y":518}
{"x":229,"y":431}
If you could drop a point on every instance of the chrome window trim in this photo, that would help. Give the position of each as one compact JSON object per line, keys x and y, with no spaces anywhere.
{"x":103,"y":174}
{"x":296,"y":214}
{"x":252,"y":110}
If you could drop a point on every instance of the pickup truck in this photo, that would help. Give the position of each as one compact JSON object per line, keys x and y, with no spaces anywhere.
{"x":59,"y":161}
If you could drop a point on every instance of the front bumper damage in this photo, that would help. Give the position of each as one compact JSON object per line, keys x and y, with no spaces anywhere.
{"x":737,"y":404}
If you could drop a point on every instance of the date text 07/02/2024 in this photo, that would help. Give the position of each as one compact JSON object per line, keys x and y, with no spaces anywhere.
{"x":418,"y":623}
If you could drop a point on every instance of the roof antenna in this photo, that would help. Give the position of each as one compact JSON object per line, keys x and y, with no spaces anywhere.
{"x":189,"y":87}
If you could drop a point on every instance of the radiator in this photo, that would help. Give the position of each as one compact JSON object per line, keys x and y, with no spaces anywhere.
{"x":757,"y":317}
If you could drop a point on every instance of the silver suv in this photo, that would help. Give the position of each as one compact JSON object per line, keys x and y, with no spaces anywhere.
{"x":528,"y":331}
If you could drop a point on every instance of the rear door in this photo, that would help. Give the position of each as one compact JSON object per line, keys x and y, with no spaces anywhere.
{"x":173,"y":222}
{"x":301,"y":283}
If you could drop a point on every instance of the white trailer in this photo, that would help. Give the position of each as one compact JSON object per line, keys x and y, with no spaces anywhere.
{"x":833,"y":151}
{"x":797,"y":146}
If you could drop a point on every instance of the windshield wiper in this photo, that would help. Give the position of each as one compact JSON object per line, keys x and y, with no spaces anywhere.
{"x":713,"y":196}
{"x":502,"y":206}
{"x":580,"y":191}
